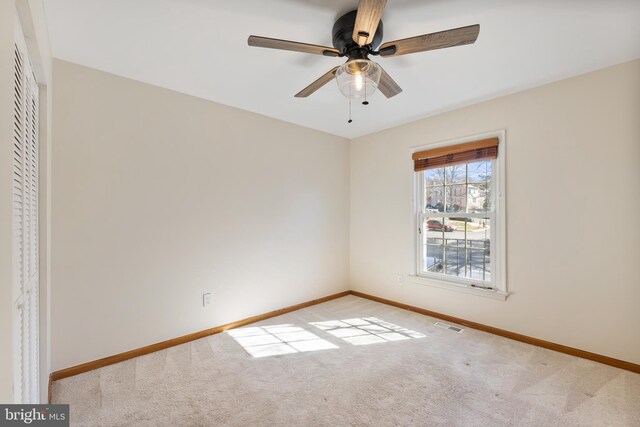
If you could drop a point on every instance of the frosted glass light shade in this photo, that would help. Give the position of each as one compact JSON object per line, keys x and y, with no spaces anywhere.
{"x":358,"y":78}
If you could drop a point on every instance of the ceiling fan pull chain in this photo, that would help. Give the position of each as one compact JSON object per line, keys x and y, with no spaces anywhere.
{"x":349,"y":121}
{"x":365,"y":102}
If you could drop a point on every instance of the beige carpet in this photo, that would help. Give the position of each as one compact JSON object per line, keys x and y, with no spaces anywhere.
{"x":353,"y":362}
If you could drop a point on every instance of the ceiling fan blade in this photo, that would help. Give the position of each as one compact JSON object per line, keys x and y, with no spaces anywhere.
{"x":294,"y":46}
{"x":442,"y":39}
{"x":387,"y":85}
{"x":367,"y":20}
{"x":323,"y":80}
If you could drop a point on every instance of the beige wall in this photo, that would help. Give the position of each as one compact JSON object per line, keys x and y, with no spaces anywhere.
{"x":159,"y":197}
{"x":33,"y":23}
{"x":572,"y":155}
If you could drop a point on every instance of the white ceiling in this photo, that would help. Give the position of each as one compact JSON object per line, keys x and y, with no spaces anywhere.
{"x":199,"y":47}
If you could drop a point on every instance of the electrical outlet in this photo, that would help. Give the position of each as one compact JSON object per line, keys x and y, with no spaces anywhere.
{"x":206,"y":299}
{"x":400,"y":279}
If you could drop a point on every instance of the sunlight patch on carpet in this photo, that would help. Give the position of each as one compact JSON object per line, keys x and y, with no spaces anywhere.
{"x":264,"y":341}
{"x":367,"y":330}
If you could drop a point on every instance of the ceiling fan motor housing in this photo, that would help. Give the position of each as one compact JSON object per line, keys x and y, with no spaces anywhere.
{"x":343,"y":37}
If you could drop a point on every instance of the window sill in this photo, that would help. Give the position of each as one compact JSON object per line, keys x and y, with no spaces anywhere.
{"x":441,"y":284}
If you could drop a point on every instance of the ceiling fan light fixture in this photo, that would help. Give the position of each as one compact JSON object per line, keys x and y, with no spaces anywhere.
{"x":358,"y":78}
{"x":356,"y":35}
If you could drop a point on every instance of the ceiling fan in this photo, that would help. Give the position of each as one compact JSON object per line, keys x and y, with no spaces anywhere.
{"x":358,"y":34}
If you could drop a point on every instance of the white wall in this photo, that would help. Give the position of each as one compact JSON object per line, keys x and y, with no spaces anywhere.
{"x":32,"y":20}
{"x":573,"y":199}
{"x":159,"y":197}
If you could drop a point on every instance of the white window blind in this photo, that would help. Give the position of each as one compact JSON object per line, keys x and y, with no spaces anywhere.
{"x":25,"y":226}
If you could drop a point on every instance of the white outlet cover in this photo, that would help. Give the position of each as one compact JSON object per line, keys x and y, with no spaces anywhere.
{"x":206,"y":299}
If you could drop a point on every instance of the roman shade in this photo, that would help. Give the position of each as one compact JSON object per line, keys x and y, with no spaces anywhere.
{"x":484,"y":149}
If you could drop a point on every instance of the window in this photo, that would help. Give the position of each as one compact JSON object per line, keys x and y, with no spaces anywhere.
{"x":458,"y":214}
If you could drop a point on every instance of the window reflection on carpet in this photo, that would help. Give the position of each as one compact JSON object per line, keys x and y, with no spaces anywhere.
{"x":263,"y":341}
{"x":367,"y":330}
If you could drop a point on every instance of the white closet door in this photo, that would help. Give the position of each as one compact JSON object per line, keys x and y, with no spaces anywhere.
{"x":25,"y":226}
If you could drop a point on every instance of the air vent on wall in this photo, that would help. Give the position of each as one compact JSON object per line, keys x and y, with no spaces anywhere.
{"x":449,"y":327}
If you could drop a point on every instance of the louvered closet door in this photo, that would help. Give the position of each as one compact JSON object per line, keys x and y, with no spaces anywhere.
{"x":25,"y":226}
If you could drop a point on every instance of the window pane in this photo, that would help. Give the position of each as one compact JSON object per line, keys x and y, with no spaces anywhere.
{"x":479,"y":264}
{"x":454,"y":248}
{"x":434,"y":177}
{"x":455,"y":260}
{"x":456,"y":226}
{"x":478,"y":198}
{"x":438,"y":226}
{"x":433,"y":230}
{"x":454,"y":231}
{"x":479,"y":171}
{"x":478,"y":233}
{"x":433,"y":258}
{"x":479,"y":248}
{"x":456,"y":174}
{"x":434,"y":197}
{"x":456,"y":198}
{"x":479,"y":188}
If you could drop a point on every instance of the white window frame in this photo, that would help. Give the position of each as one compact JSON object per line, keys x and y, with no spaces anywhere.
{"x":498,"y":237}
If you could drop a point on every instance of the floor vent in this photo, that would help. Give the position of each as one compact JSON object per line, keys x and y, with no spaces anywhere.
{"x":449,"y":327}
